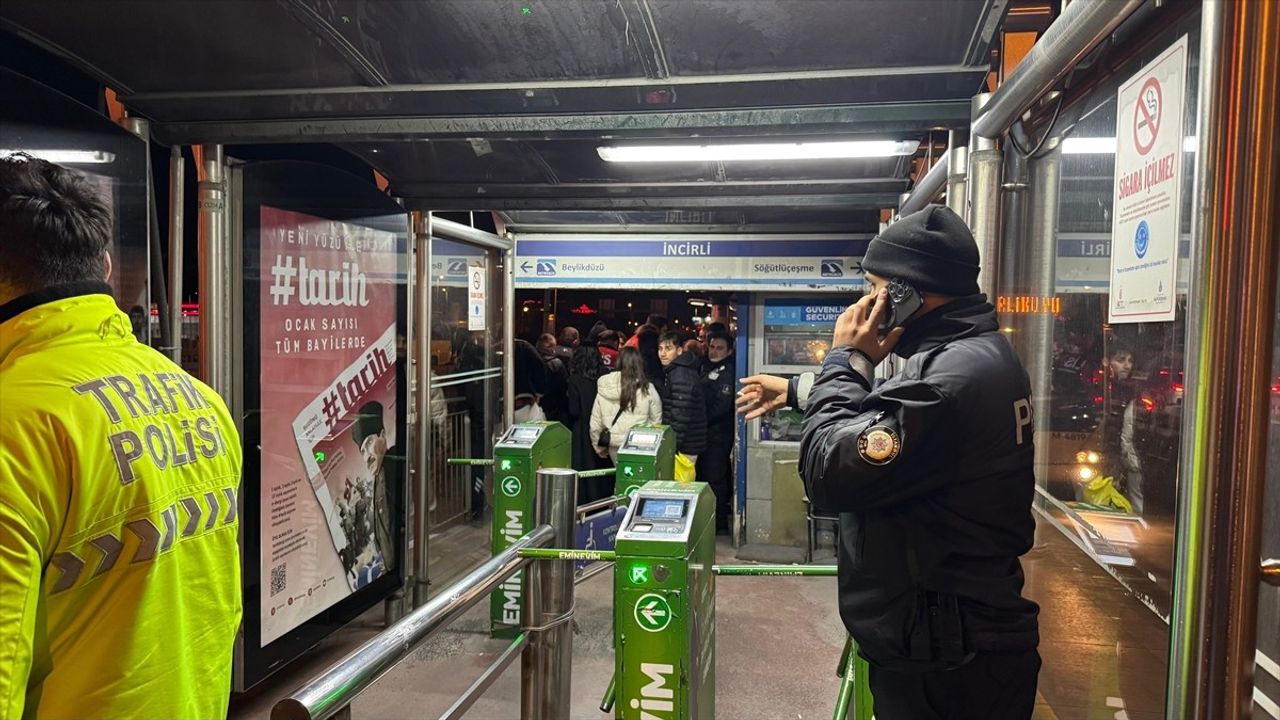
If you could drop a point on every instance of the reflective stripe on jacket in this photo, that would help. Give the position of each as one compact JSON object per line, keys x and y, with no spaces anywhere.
{"x":119,"y":563}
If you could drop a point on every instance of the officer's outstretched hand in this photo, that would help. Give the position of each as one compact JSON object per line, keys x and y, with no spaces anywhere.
{"x":859,"y":327}
{"x":761,"y":395}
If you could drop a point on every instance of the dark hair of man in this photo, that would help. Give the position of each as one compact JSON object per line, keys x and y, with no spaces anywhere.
{"x":671,"y":337}
{"x":717,"y":326}
{"x":658,"y":321}
{"x":54,"y":228}
{"x":585,"y":362}
{"x":568,"y":335}
{"x":608,"y":338}
{"x":634,"y":378}
{"x":647,"y":342}
{"x":720,"y":335}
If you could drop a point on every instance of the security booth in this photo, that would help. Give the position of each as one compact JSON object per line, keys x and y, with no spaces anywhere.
{"x":648,"y":453}
{"x":518,"y":455}
{"x":664,"y":603}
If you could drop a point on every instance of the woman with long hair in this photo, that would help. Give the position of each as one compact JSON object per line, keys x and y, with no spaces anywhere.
{"x":647,"y":343}
{"x":624,"y":399}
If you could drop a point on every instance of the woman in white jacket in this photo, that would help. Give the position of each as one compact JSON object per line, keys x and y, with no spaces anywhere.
{"x":624,"y":399}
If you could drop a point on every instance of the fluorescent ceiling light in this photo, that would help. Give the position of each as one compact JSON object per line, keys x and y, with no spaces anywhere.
{"x":1107,"y":145}
{"x":70,"y":157}
{"x":759,"y":151}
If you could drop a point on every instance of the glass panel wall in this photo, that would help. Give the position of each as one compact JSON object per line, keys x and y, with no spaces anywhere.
{"x":465,"y":406}
{"x":1110,"y":396}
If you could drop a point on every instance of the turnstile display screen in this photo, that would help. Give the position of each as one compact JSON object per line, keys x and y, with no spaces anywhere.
{"x":663,"y":508}
{"x":643,"y":439}
{"x":523,"y":435}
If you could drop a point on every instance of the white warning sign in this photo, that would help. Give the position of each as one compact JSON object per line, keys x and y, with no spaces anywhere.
{"x":1147,"y":209}
{"x":477,"y":298}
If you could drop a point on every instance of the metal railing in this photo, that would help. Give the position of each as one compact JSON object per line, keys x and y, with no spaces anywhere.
{"x":451,"y":483}
{"x":333,"y":690}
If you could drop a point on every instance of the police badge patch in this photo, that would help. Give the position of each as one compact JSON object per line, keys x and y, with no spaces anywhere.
{"x":879,"y":445}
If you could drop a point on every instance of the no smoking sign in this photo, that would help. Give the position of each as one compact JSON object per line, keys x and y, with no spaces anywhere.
{"x":1146,"y":116}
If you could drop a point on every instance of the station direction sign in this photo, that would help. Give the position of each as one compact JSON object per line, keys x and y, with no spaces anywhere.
{"x":709,"y":262}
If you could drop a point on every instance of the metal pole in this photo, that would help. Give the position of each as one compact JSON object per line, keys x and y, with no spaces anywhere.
{"x":929,"y":188}
{"x":1037,"y":272}
{"x":508,"y":336}
{"x":983,"y":193}
{"x":422,"y":393}
{"x":957,"y":170}
{"x":177,"y":196}
{"x":547,"y":662}
{"x":215,"y":360}
{"x":1225,"y":426}
{"x":1080,"y":28}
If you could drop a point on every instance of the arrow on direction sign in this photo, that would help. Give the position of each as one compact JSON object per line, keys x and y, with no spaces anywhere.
{"x":525,"y":266}
{"x":628,"y":470}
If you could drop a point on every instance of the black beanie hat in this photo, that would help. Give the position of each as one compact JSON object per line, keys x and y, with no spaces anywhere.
{"x":368,"y":422}
{"x":932,"y":250}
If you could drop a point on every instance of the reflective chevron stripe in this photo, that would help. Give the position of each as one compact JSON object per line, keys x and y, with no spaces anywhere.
{"x":212,"y":498}
{"x":70,"y":564}
{"x":231,"y":505}
{"x":149,"y":535}
{"x":193,"y":516}
{"x":110,"y":546}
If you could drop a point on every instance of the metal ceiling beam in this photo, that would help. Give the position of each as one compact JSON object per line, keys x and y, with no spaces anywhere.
{"x":896,"y":118}
{"x":850,"y":201}
{"x":644,"y":33}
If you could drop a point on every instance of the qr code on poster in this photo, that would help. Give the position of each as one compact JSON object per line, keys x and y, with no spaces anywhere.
{"x":279,"y":576}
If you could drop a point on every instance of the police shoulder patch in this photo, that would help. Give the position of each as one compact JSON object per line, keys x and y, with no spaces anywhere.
{"x":879,"y":445}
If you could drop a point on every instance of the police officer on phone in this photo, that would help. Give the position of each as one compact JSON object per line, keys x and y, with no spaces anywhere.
{"x":931,"y":472}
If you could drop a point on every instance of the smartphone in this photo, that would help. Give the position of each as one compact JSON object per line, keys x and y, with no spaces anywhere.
{"x":904,"y":301}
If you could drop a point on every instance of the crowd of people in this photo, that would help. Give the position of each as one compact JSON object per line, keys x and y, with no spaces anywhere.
{"x":600,"y":386}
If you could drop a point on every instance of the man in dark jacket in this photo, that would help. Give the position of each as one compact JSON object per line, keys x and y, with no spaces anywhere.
{"x":932,"y":474}
{"x":715,"y":466}
{"x":684,"y":404}
{"x":555,"y":400}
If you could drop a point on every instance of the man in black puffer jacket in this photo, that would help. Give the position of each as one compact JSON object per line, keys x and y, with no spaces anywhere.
{"x":931,"y":471}
{"x":684,"y":404}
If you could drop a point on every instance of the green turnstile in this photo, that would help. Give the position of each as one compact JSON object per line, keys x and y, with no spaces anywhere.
{"x":647,"y":453}
{"x":664,"y":603}
{"x":522,"y":450}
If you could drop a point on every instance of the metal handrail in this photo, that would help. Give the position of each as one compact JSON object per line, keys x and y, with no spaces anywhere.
{"x":1271,"y":572}
{"x":335,"y":688}
{"x":601,"y":504}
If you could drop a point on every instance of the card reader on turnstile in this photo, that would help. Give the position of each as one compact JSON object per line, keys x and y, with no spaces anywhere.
{"x":517,"y":456}
{"x":647,"y":453}
{"x":664,"y":603}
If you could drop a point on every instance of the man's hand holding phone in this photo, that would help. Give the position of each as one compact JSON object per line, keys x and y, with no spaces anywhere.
{"x":859,"y":327}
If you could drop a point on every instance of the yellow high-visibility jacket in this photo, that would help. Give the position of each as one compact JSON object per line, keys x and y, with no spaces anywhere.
{"x":119,"y":564}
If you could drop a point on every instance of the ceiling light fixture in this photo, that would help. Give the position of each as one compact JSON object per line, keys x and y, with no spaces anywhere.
{"x":758,"y":151}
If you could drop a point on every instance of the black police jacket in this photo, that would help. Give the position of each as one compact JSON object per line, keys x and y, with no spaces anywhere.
{"x":931,"y":472}
{"x":720,"y":387}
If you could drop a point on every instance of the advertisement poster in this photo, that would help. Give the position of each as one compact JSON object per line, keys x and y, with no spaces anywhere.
{"x":328,"y":419}
{"x":1146,"y":215}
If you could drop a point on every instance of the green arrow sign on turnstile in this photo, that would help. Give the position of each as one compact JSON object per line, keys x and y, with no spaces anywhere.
{"x":647,"y":453}
{"x":652,"y":613}
{"x":511,"y":486}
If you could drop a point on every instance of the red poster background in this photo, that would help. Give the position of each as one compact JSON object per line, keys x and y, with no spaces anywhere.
{"x":327,"y":299}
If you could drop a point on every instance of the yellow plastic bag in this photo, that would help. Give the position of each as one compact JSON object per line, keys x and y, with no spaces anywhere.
{"x":1102,"y":491}
{"x":685,"y":469}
